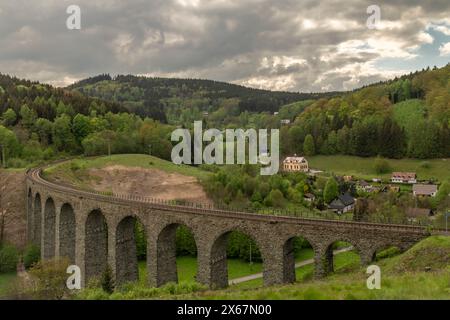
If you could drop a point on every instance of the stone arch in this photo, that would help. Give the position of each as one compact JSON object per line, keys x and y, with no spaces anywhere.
{"x":289,"y":257}
{"x":49,"y":228}
{"x":166,"y":253}
{"x":218,"y":257}
{"x":127,"y":269}
{"x":396,"y":249}
{"x":30,"y":215}
{"x":67,"y":229}
{"x":37,"y":220}
{"x":96,"y":245}
{"x":330,"y":252}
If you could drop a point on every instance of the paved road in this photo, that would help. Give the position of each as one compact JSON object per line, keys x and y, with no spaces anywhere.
{"x":297,"y":265}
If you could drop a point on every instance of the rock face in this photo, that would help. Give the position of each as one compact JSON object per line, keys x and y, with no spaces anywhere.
{"x":12,"y":193}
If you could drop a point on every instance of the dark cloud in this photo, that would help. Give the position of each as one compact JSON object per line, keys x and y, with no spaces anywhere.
{"x":287,"y":44}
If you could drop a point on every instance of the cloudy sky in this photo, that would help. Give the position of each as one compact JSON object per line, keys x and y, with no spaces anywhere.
{"x":296,"y":45}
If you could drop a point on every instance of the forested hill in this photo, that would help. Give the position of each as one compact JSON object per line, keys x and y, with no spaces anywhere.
{"x":46,"y":101}
{"x":166,"y":99}
{"x":405,"y":117}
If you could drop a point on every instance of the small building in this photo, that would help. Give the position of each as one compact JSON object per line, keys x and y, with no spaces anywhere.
{"x":425,"y":190}
{"x":285,"y":121}
{"x":309,"y":197}
{"x":412,"y":214}
{"x":394,"y":189}
{"x":295,"y":164}
{"x":363,"y":185}
{"x":348,"y":178}
{"x":404,"y":177}
{"x":342,"y":204}
{"x":378,"y":180}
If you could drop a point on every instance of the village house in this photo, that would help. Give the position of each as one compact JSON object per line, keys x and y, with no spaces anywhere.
{"x":413,"y":214}
{"x":342,"y":204}
{"x":348,"y":178}
{"x":404,"y":177}
{"x":295,"y":164}
{"x":364,"y":186}
{"x":285,"y":121}
{"x":309,"y":197}
{"x":425,"y":190}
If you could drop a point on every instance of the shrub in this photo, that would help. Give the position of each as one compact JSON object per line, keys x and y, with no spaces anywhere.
{"x":425,"y":165}
{"x":49,"y":279}
{"x":9,"y":258}
{"x":107,"y":280}
{"x":16,"y":163}
{"x":31,"y":255}
{"x":381,"y":166}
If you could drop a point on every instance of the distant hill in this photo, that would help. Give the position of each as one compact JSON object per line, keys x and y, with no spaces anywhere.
{"x":48,"y":101}
{"x":160,"y":97}
{"x":407,"y":116}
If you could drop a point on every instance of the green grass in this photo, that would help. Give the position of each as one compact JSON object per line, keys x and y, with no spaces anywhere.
{"x":75,"y":171}
{"x":364,"y":167}
{"x":6,"y":279}
{"x":187,"y":267}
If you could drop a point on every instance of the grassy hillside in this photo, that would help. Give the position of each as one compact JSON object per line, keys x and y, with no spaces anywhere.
{"x":74,"y":171}
{"x":364,"y":167}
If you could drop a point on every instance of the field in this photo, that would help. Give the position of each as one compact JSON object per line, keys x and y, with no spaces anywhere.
{"x":364,"y":167}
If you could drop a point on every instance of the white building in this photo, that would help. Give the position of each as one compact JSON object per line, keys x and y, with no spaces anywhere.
{"x":295,"y":164}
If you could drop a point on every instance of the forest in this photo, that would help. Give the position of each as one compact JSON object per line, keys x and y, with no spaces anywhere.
{"x":405,"y":117}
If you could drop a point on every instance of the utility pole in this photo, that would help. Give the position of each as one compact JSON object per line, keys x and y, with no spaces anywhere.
{"x":150,"y":149}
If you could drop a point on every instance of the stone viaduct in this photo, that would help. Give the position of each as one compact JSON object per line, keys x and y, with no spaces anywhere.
{"x":94,"y":230}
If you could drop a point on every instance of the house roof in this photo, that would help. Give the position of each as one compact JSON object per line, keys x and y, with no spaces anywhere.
{"x":364,"y":183}
{"x":425,"y":189}
{"x":417,"y":212}
{"x":346,"y":199}
{"x":404,"y":175}
{"x":295,"y":160}
{"x":342,"y":201}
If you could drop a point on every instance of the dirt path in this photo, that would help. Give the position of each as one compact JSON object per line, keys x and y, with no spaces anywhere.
{"x":297,"y":265}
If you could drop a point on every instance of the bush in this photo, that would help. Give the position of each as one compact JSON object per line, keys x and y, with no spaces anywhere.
{"x":31,"y":255}
{"x":107,"y":280}
{"x":425,"y":165}
{"x":76,"y":165}
{"x":49,"y":279}
{"x":381,"y":166}
{"x":9,"y":258}
{"x":16,"y":163}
